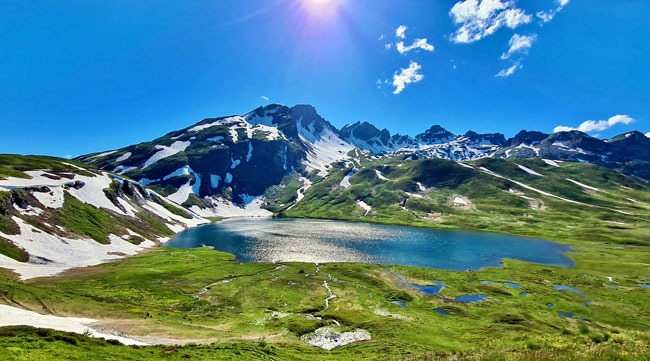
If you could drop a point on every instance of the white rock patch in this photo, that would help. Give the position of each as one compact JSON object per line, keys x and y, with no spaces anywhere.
{"x":328,"y":338}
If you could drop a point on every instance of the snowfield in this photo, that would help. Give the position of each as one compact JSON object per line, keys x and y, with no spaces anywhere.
{"x":13,"y":316}
{"x":51,"y":254}
{"x":326,"y":148}
{"x":225,"y":208}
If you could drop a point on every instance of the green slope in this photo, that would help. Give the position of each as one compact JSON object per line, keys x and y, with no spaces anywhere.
{"x":619,"y":211}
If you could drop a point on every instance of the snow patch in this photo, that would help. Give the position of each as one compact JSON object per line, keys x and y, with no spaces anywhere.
{"x":13,"y":316}
{"x":326,"y":149}
{"x":101,"y":154}
{"x":167,"y":151}
{"x":528,"y":170}
{"x":365,"y":206}
{"x":551,"y":163}
{"x":121,"y":169}
{"x":250,"y":151}
{"x":224,"y":208}
{"x":380,"y":175}
{"x":123,"y":157}
{"x":214,"y":180}
{"x":182,"y":194}
{"x":583,"y":185}
{"x":345,"y":182}
{"x":223,"y":121}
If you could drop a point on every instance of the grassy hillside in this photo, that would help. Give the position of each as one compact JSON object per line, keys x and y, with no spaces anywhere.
{"x":262,"y":311}
{"x":497,"y":196}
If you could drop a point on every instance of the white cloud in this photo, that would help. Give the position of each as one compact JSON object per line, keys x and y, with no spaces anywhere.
{"x":407,"y":76}
{"x":381,"y":37}
{"x":509,"y":71}
{"x":417,"y":44}
{"x":388,"y":46}
{"x":546,"y":16}
{"x":519,"y":44}
{"x":647,"y":134}
{"x":480,"y":18}
{"x":400,"y":32}
{"x":591,"y":125}
{"x":265,"y":98}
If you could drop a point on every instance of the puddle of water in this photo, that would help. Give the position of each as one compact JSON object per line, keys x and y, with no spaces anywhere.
{"x":442,"y":312}
{"x":549,"y":305}
{"x":567,"y":288}
{"x":644,"y":285}
{"x":399,"y":303}
{"x":430,"y":290}
{"x":566,"y":314}
{"x":470,"y":298}
{"x":525,"y":293}
{"x":486,"y":282}
{"x":511,"y":285}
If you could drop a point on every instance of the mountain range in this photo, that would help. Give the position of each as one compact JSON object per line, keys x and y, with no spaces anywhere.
{"x":243,"y":164}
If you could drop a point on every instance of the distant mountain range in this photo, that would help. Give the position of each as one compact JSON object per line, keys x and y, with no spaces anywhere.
{"x":222,"y":166}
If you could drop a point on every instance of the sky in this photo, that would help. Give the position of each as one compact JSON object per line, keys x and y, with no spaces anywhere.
{"x":80,"y":76}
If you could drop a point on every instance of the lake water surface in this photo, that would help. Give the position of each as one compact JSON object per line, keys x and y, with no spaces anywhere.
{"x":322,"y":241}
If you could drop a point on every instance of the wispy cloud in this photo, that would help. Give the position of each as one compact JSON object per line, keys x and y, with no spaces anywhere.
{"x":591,"y":125}
{"x":407,"y":76}
{"x":519,"y":44}
{"x":509,"y":71}
{"x":388,"y":46}
{"x":417,"y":44}
{"x":265,"y":98}
{"x":546,"y":16}
{"x":381,"y":37}
{"x":400,"y":32}
{"x":477,"y":19}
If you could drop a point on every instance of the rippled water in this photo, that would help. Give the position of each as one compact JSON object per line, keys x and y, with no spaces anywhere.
{"x":321,"y":241}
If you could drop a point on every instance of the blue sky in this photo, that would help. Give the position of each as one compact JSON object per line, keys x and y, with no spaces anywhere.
{"x":80,"y":76}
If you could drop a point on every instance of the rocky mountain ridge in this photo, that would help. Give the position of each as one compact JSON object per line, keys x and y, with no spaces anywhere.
{"x":244,"y":163}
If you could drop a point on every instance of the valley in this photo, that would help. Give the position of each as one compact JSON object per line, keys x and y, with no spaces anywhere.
{"x":402,"y":253}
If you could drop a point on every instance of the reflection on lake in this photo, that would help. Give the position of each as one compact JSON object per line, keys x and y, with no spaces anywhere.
{"x":322,"y":241}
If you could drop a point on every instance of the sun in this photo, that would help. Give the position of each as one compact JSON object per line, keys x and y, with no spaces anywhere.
{"x":321,"y":8}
